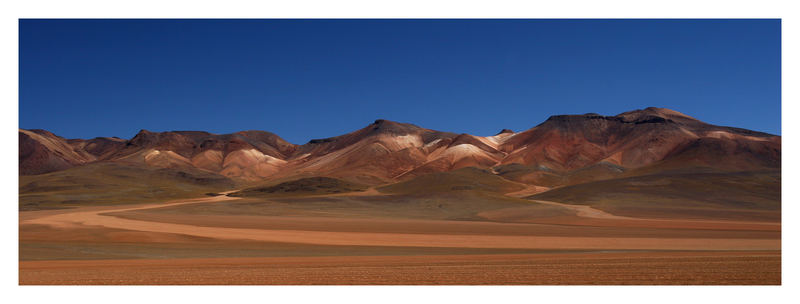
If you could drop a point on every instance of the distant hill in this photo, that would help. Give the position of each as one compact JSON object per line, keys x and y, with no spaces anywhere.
{"x":115,"y":183}
{"x":563,"y":150}
{"x":720,"y":195}
{"x":303,"y":186}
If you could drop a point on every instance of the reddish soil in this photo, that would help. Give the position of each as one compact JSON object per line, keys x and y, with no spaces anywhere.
{"x":94,"y":246}
{"x":673,"y":268}
{"x":477,"y":240}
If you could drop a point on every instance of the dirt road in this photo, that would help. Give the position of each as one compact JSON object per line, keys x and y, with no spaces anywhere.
{"x":101,"y":218}
{"x":586,"y":211}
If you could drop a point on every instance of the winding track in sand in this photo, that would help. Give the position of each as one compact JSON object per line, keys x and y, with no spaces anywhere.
{"x":586,"y":211}
{"x":593,"y":213}
{"x":101,"y":218}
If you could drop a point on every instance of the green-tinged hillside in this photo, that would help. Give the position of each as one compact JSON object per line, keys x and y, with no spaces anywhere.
{"x":544,"y":176}
{"x":738,"y":195}
{"x":115,"y":183}
{"x":303,"y":186}
{"x":457,"y":205}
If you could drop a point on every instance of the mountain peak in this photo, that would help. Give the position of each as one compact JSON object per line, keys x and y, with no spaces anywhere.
{"x":504,"y":131}
{"x":391,"y":127}
{"x":43,"y":133}
{"x":654,"y":111}
{"x":383,"y":124}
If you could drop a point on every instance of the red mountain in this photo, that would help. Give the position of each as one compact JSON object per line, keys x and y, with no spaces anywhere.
{"x":565,"y":149}
{"x":653,"y":137}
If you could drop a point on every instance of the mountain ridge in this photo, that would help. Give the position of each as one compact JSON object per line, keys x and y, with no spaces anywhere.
{"x":387,"y":151}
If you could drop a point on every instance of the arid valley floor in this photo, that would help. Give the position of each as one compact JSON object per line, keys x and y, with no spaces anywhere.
{"x":649,"y":196}
{"x":478,"y":152}
{"x":222,"y":240}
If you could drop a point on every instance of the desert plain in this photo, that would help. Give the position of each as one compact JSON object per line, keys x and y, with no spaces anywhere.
{"x":647,"y":197}
{"x":336,"y":240}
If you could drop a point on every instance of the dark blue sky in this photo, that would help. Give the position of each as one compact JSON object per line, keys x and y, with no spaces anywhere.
{"x":304,"y":79}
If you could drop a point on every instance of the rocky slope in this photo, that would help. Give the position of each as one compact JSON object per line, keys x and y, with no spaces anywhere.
{"x":565,"y":149}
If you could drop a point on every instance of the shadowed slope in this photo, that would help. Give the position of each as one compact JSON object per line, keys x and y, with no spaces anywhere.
{"x":114,"y":183}
{"x":41,"y":151}
{"x":303,"y":186}
{"x":466,"y":179}
{"x":720,"y":195}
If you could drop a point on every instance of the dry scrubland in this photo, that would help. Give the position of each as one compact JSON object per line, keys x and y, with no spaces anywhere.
{"x":325,"y":231}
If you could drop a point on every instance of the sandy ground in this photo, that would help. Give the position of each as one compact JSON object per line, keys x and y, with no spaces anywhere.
{"x":671,"y":268}
{"x":527,"y":191}
{"x":712,"y":252}
{"x":100,"y":218}
{"x":449,"y":227}
{"x":585,"y":211}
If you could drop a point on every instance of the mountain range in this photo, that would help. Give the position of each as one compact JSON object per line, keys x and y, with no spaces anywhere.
{"x":564,"y":149}
{"x":653,"y":162}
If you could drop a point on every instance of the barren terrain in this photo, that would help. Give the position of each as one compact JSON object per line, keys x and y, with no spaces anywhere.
{"x":650,"y":196}
{"x":667,"y":268}
{"x":218,"y":240}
